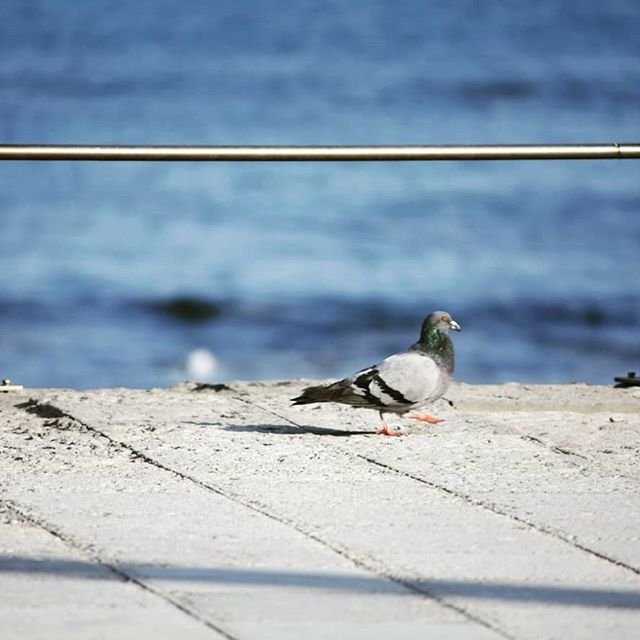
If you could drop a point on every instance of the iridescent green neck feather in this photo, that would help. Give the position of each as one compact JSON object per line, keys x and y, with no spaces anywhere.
{"x":438,"y":345}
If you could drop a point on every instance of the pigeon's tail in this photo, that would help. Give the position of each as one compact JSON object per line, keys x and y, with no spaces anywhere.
{"x":319,"y":393}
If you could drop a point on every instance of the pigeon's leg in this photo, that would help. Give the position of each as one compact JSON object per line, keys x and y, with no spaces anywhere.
{"x":386,"y":429}
{"x":429,"y":419}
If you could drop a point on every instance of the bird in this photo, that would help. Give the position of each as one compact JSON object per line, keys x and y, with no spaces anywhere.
{"x":401,"y":382}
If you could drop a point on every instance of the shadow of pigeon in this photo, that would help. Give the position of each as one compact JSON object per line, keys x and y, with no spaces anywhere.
{"x":287,"y":429}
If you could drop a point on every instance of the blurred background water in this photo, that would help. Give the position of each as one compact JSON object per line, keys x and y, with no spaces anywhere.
{"x":143,"y":274}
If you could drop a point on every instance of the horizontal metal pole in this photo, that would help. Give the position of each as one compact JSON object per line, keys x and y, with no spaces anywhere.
{"x":323,"y":153}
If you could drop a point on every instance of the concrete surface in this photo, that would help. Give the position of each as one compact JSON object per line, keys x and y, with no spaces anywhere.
{"x":226,"y":513}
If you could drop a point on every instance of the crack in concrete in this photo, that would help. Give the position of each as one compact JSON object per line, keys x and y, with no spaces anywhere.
{"x":494,"y":509}
{"x":118,"y":572}
{"x":552,"y":447}
{"x":36,"y":406}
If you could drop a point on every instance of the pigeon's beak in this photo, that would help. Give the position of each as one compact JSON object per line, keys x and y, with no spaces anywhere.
{"x":454,"y":325}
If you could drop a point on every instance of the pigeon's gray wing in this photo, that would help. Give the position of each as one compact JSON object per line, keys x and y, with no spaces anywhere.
{"x":397,"y":384}
{"x":410,"y":376}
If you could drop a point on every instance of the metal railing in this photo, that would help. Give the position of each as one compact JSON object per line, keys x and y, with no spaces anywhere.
{"x":320,"y":153}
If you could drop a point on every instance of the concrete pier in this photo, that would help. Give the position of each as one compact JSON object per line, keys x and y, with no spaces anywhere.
{"x":223,"y":512}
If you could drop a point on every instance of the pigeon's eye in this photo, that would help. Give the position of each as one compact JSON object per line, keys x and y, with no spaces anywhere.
{"x":444,"y":319}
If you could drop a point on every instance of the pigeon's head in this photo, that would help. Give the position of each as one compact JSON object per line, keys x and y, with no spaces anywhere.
{"x":440,"y":320}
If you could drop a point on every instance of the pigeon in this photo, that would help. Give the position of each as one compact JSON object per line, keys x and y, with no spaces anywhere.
{"x":401,"y":382}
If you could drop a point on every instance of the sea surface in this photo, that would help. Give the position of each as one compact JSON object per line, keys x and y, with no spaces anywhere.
{"x":147,"y":274}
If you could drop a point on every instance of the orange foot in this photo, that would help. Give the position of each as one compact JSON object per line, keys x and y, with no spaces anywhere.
{"x":387,"y":431}
{"x":429,"y":419}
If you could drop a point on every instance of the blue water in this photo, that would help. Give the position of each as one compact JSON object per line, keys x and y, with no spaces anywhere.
{"x":318,"y":269}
